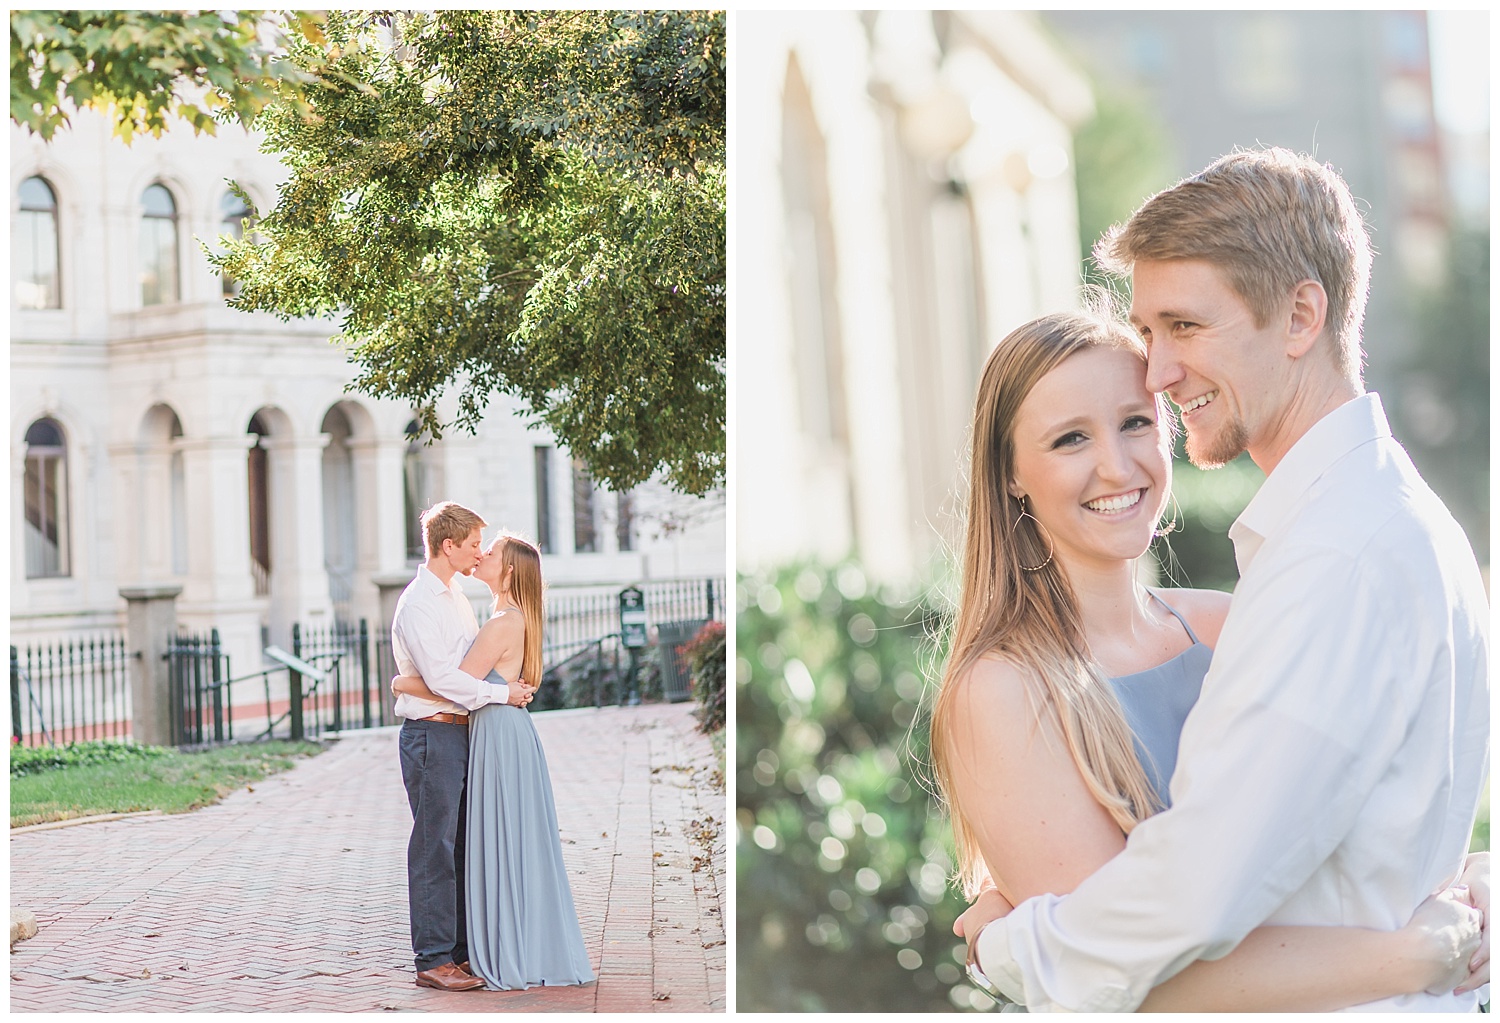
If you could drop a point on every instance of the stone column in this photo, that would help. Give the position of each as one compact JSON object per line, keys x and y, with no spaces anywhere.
{"x":390,"y":587}
{"x":18,"y":589}
{"x":218,"y":519}
{"x":299,"y":577}
{"x":150,"y":618}
{"x":379,"y":494}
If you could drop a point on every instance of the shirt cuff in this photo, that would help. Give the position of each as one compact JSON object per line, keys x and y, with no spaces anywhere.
{"x":1010,"y":949}
{"x":499,"y":694}
{"x":992,"y":950}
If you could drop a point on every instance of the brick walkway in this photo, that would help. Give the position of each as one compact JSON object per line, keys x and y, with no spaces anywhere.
{"x":292,"y":896}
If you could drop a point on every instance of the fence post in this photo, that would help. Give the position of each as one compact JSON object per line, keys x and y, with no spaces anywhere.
{"x":709,"y":586}
{"x":218,"y":692}
{"x":15,"y":694}
{"x":294,"y":680}
{"x":150,"y":617}
{"x":364,"y":666}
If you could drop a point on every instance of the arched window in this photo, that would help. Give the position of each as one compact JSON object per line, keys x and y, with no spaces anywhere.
{"x":34,"y":247}
{"x":46,"y":500}
{"x":158,"y":247}
{"x":260,"y":509}
{"x":585,"y":525}
{"x":233,"y":216}
{"x":415,"y":483}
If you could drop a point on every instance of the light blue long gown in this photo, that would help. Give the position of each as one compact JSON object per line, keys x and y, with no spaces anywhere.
{"x":523,"y":930}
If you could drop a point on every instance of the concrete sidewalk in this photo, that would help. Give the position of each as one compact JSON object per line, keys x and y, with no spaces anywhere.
{"x":292,"y":895}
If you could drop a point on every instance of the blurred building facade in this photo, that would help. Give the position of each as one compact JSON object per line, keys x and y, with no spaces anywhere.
{"x":161,"y":438}
{"x":904,"y":197}
{"x":1354,"y":89}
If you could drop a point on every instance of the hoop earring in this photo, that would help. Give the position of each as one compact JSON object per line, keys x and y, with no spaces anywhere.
{"x":1172,"y":526}
{"x":1041,"y":532}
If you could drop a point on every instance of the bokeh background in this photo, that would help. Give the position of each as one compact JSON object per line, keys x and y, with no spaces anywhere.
{"x":909,"y":187}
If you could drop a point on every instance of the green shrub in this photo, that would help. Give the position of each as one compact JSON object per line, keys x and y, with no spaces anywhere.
{"x":842,"y":858}
{"x":27,"y":760}
{"x":706,"y":655}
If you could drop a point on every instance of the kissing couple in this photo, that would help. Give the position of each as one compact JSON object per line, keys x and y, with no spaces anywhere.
{"x":1178,"y":799}
{"x":488,"y":891}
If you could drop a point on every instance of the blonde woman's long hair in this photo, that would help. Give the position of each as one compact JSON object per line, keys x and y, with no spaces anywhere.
{"x":1031,"y":618}
{"x":526,"y":591}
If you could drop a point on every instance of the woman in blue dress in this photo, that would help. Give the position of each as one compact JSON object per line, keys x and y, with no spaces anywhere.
{"x":522,"y":927}
{"x":1068,"y":680}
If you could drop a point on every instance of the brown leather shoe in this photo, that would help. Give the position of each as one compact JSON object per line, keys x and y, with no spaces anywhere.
{"x":466,"y":968}
{"x":448,"y":977}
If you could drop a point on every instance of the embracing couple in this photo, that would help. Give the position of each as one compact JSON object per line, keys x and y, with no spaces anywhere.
{"x":1168,"y":798}
{"x":489,"y":896}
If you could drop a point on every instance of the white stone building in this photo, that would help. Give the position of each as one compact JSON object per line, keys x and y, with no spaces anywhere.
{"x":161,"y":438}
{"x":903,"y":196}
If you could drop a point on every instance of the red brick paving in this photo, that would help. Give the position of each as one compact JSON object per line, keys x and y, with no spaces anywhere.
{"x":292,"y":896}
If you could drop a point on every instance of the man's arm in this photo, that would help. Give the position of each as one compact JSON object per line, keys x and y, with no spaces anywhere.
{"x":1299,"y":718}
{"x":422,"y":633}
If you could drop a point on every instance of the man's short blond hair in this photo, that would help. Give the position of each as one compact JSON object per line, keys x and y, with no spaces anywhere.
{"x":448,"y":520}
{"x":1268,"y":219}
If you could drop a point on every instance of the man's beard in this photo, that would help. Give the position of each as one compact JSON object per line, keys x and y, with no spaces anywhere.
{"x":1223,"y":446}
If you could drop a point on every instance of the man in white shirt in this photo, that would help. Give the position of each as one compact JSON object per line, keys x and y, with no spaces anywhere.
{"x":1331,"y":770}
{"x":432,"y":630}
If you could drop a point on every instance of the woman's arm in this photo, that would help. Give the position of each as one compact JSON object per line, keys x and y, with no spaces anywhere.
{"x":484,"y":653}
{"x":1319,"y":969}
{"x":1040,"y":830}
{"x":412,"y":685}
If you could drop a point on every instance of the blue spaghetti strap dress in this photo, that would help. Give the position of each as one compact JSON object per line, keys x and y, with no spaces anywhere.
{"x":1156,"y":703}
{"x":523,"y":929}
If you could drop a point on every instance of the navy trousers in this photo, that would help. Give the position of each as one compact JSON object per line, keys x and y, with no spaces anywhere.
{"x":435,"y":766}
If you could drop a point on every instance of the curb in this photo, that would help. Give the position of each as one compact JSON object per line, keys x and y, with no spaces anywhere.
{"x":96,"y":818}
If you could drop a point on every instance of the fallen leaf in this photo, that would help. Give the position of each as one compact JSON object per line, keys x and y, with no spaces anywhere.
{"x":661,"y":996}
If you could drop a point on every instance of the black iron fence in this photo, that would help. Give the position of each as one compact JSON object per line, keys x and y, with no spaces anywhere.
{"x":201,"y":708}
{"x":332,"y":679}
{"x":70,"y":691}
{"x":575,"y":623}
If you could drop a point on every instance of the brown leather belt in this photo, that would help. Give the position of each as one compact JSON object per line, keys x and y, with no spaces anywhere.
{"x":448,"y":719}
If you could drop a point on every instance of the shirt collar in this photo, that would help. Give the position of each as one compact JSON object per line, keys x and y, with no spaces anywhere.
{"x":1352,"y":424}
{"x":429,"y":579}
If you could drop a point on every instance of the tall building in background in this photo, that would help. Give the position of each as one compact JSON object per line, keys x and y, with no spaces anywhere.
{"x":161,"y":438}
{"x":1353,"y":88}
{"x":904,"y":197}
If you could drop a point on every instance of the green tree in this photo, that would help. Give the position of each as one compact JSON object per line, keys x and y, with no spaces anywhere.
{"x":843,"y":860}
{"x":142,"y":67}
{"x":519,"y":202}
{"x":1121,"y":158}
{"x":1441,"y":406}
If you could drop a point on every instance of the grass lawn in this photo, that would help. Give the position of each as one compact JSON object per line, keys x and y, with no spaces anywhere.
{"x":174,"y":783}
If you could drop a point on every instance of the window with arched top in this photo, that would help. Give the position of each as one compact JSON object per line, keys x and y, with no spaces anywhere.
{"x":159,"y":263}
{"x":46,"y":498}
{"x":417,"y":484}
{"x":34,"y":247}
{"x":260,"y":508}
{"x":234,"y":217}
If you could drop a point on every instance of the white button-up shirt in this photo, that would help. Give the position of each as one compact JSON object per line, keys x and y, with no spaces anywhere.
{"x":432,"y":631}
{"x":1331,"y":770}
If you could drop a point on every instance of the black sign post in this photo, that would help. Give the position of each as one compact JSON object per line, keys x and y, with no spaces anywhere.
{"x":632,"y":638}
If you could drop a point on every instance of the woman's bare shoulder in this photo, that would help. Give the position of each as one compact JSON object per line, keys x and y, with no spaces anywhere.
{"x":1204,"y":609}
{"x":996,"y":692}
{"x":505,"y":621}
